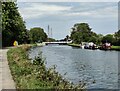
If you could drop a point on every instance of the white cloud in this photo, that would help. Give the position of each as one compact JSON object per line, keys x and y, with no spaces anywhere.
{"x":78,"y":14}
{"x":86,"y":10}
{"x":35,"y":10}
{"x":109,"y":12}
{"x":102,"y":17}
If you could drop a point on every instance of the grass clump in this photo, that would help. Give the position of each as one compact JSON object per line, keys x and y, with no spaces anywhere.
{"x":35,"y":75}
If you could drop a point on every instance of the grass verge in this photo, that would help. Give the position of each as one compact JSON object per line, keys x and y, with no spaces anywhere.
{"x":74,"y":45}
{"x":115,"y":48}
{"x":35,"y":75}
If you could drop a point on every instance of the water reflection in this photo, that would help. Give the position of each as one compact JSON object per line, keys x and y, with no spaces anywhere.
{"x":99,"y":69}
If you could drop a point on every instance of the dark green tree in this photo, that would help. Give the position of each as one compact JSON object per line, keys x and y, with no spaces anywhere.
{"x":81,"y":32}
{"x":51,"y":40}
{"x":93,"y":39}
{"x":99,"y":39}
{"x":66,"y":38}
{"x":13,"y":26}
{"x":108,"y":38}
{"x":82,"y":27}
{"x":117,"y":37}
{"x":37,"y":34}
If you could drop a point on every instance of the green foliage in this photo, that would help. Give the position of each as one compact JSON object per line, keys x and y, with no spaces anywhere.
{"x":37,"y":35}
{"x":66,"y":38}
{"x":117,"y":37}
{"x":114,"y":39}
{"x":115,"y":47}
{"x":108,"y":38}
{"x":13,"y":26}
{"x":74,"y":45}
{"x":82,"y":33}
{"x":82,"y":27}
{"x":38,"y":60}
{"x":35,"y":75}
{"x":99,"y":39}
{"x":51,"y":40}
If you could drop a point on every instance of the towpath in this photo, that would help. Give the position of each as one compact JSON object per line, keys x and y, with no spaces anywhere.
{"x":6,"y":80}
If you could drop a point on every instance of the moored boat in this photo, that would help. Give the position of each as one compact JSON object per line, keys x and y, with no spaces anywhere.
{"x":105,"y":46}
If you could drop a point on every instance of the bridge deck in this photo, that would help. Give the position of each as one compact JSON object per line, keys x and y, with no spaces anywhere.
{"x":66,"y":42}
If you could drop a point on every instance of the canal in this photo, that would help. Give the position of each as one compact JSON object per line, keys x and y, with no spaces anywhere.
{"x":96,"y":68}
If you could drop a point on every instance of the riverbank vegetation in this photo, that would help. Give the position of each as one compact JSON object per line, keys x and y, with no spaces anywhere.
{"x":81,"y":32}
{"x":74,"y":45}
{"x":115,"y":48}
{"x":35,"y":75}
{"x":37,"y":35}
{"x":14,"y":28}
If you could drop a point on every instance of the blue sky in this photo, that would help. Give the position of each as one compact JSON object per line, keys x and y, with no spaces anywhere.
{"x":61,"y":16}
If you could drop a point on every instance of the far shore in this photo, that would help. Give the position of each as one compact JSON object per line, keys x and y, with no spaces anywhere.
{"x":117,"y":48}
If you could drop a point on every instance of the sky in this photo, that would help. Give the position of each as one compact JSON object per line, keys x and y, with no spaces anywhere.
{"x":102,"y":17}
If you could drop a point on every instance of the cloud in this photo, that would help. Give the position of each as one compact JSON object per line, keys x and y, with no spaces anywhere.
{"x":108,"y":12}
{"x":35,"y":10}
{"x":85,"y":10}
{"x":102,"y":17}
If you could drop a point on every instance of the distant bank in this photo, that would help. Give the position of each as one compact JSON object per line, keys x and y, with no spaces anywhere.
{"x":117,"y":48}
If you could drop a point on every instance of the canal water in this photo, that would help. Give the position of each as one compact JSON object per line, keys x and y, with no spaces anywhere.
{"x":96,"y":68}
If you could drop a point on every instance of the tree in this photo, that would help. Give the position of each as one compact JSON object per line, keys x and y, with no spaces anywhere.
{"x":93,"y":39}
{"x":82,"y":33}
{"x":117,"y":34}
{"x":108,"y":38}
{"x":117,"y":37}
{"x":99,"y":38}
{"x":82,"y":27}
{"x":37,"y":34}
{"x":13,"y":26}
{"x":51,"y":40}
{"x":66,"y":38}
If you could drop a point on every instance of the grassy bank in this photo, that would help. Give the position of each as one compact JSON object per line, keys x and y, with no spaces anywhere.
{"x":74,"y":45}
{"x":115,"y":48}
{"x":35,"y":75}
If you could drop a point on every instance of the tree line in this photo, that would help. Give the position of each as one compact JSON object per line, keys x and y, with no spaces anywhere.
{"x":13,"y":27}
{"x":81,"y":32}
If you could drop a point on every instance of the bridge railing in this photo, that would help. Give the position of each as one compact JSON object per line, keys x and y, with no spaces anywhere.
{"x":59,"y":42}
